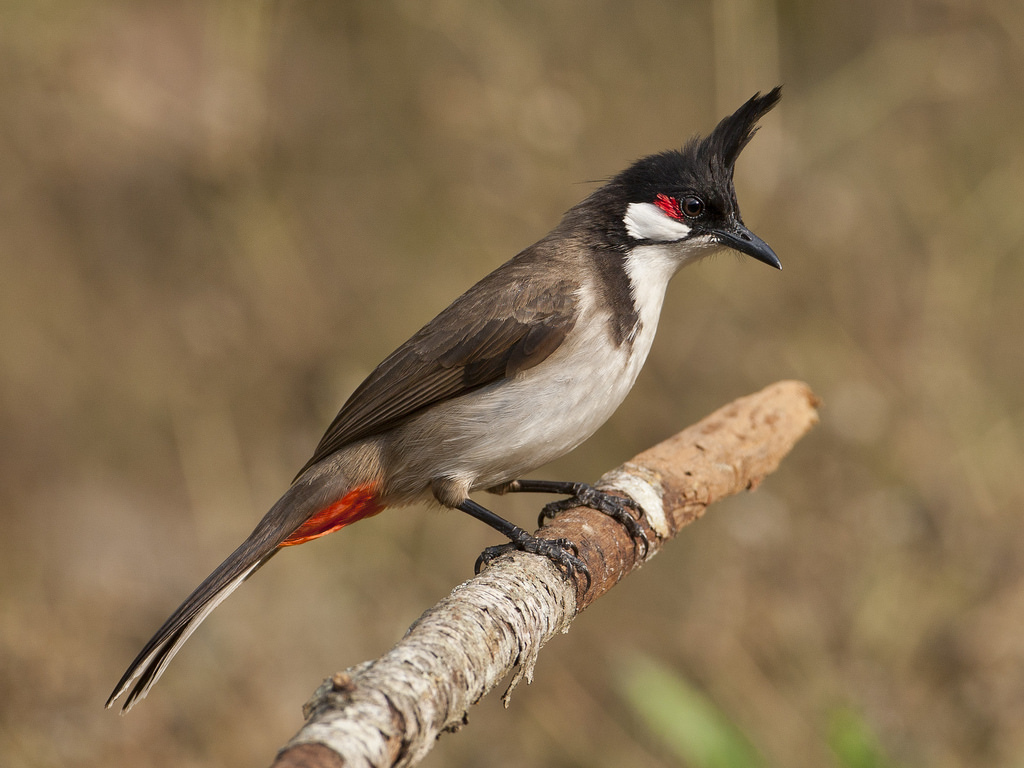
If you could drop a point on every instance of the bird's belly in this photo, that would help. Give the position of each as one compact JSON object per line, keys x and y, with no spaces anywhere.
{"x":513,"y":430}
{"x":505,"y":430}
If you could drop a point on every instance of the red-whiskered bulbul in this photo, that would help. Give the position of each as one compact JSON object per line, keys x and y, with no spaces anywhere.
{"x":519,"y":370}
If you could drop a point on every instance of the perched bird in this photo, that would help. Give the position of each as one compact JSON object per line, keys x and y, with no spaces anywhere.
{"x":519,"y":370}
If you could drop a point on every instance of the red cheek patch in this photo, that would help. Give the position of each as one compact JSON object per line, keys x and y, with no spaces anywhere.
{"x":669,"y":205}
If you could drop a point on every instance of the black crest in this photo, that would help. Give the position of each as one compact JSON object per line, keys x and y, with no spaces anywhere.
{"x":702,"y":165}
{"x":734,"y":132}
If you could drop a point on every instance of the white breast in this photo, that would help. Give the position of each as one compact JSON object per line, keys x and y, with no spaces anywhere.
{"x":511,"y":428}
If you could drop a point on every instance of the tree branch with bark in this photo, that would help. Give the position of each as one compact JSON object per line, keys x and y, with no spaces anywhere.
{"x":389,"y":712}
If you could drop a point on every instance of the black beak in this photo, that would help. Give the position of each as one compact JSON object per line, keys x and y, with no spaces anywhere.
{"x":741,"y":239}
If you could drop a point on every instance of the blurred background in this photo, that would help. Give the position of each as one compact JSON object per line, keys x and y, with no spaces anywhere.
{"x":216,"y":218}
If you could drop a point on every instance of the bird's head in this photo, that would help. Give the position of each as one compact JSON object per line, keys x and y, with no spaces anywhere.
{"x":686,"y":197}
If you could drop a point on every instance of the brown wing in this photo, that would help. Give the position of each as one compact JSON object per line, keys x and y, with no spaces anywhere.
{"x":505,"y":324}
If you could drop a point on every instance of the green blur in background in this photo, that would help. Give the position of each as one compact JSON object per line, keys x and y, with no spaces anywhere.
{"x":216,"y":218}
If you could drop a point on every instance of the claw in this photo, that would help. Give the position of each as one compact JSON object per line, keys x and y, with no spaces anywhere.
{"x":616,"y":507}
{"x":562,"y":552}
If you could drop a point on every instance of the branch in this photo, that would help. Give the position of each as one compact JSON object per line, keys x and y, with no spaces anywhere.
{"x":390,"y":711}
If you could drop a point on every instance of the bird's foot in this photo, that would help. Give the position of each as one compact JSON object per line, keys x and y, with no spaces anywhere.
{"x":562,"y":552}
{"x":616,"y":507}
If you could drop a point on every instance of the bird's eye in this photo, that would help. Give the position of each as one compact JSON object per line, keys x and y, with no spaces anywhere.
{"x":692,"y":207}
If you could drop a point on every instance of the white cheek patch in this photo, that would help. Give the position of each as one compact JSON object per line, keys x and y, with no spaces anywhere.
{"x":646,"y":221}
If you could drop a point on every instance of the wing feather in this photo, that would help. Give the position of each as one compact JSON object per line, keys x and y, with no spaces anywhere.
{"x":509,"y":322}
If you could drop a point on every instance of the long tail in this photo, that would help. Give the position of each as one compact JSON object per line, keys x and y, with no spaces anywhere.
{"x":304,"y":513}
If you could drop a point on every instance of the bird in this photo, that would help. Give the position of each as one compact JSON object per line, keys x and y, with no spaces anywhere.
{"x":517,"y":371}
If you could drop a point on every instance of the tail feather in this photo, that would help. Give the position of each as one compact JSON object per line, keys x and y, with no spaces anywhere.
{"x":308,"y":510}
{"x":153,"y":659}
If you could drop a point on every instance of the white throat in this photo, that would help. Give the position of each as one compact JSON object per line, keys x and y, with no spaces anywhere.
{"x":649,"y":268}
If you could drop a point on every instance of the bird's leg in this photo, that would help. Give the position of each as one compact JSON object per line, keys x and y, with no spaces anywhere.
{"x":583,"y":495}
{"x":561,"y":552}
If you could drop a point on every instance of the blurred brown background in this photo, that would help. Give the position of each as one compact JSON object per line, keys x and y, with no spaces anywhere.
{"x":216,"y":218}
